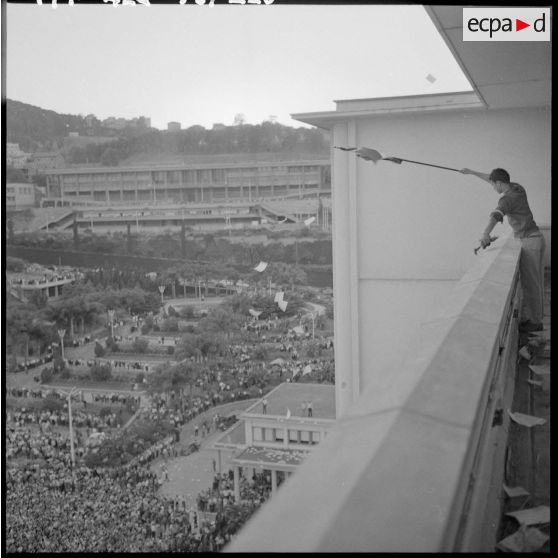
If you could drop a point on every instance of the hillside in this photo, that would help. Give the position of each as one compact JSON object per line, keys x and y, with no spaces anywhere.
{"x":37,"y":129}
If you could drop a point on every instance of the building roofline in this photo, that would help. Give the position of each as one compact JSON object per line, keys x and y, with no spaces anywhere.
{"x":402,"y":97}
{"x":184,"y":166}
{"x":362,"y":108}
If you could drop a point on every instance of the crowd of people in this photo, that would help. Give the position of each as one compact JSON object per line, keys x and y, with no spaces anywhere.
{"x":52,"y":507}
{"x":253,"y":491}
{"x":124,"y":399}
{"x":55,"y":505}
{"x":134,"y":365}
{"x":51,"y":418}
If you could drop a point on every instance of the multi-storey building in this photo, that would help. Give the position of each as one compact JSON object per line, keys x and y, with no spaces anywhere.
{"x":275,"y":434}
{"x":185,"y":183}
{"x":37,"y":163}
{"x":20,"y":195}
{"x":15,"y":157}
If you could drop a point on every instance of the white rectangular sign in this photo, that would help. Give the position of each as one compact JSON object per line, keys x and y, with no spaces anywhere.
{"x":506,"y":24}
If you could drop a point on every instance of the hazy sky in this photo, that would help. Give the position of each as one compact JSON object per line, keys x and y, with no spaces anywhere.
{"x":200,"y":64}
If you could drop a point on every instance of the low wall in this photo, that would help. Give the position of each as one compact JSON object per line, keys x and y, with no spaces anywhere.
{"x":417,"y":463}
{"x":547,"y":233}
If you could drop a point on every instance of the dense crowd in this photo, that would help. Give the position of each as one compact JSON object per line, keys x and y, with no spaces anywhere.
{"x":50,"y":508}
{"x":49,"y":419}
{"x":254,"y":491}
{"x":123,"y":399}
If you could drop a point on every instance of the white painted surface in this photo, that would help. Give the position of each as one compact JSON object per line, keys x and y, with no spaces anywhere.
{"x":392,"y":312}
{"x":416,"y":226}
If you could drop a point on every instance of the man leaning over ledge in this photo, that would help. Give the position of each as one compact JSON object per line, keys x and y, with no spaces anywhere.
{"x":514,"y":205}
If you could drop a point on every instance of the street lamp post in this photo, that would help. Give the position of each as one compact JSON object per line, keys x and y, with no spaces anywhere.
{"x":25,"y":331}
{"x":72,"y":448}
{"x":111,"y":321}
{"x":61,"y":333}
{"x":313,"y":316}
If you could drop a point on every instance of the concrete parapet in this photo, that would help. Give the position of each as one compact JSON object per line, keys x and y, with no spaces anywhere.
{"x":416,"y":464}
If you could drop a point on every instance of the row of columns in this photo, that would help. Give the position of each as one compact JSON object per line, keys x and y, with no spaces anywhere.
{"x":202,"y":192}
{"x":252,"y":471}
{"x":236,"y":471}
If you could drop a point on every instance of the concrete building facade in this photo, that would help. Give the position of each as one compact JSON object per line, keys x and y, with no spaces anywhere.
{"x":188,"y":183}
{"x":20,"y":195}
{"x":404,"y":234}
{"x":278,"y":432}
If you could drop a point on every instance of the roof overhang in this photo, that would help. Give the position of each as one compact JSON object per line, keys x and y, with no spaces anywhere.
{"x":502,"y":75}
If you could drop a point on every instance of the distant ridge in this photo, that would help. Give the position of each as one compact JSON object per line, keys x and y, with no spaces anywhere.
{"x":36,"y":129}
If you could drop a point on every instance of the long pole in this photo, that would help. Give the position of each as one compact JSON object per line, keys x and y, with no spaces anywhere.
{"x":111,"y":318}
{"x":313,"y":322}
{"x":61,"y":333}
{"x":72,"y":450}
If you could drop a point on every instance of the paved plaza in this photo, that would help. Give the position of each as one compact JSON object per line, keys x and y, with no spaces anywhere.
{"x":189,"y":475}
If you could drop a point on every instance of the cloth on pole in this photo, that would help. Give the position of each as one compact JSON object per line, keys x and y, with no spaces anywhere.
{"x":369,"y":154}
{"x":279,"y":296}
{"x":282,"y":304}
{"x":261,"y":266}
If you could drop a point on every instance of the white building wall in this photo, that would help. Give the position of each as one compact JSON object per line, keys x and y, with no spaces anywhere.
{"x":20,"y":195}
{"x":404,"y":234}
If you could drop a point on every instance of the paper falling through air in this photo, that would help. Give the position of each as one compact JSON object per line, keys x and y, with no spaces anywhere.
{"x":261,"y":266}
{"x":430,"y":78}
{"x":288,"y":413}
{"x":254,"y":313}
{"x":309,"y":221}
{"x":526,"y":420}
{"x":307,"y":369}
{"x":532,"y":516}
{"x":541,"y":370}
{"x":515,"y":491}
{"x":534,"y":383}
{"x":282,"y":304}
{"x":525,"y":539}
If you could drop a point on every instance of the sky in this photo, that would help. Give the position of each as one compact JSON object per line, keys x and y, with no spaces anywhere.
{"x":201,"y":64}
